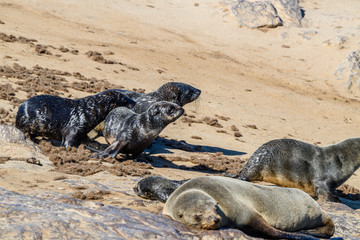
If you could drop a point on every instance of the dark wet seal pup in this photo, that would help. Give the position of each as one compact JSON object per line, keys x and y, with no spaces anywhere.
{"x":130,"y":133}
{"x":67,"y":120}
{"x":175,"y":92}
{"x":313,"y":169}
{"x":157,"y":187}
{"x":216,"y":202}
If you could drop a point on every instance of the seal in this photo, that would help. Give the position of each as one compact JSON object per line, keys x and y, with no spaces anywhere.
{"x":157,"y":187}
{"x":215,"y":202}
{"x":67,"y":120}
{"x":313,"y":169}
{"x":129,"y":132}
{"x":175,"y":92}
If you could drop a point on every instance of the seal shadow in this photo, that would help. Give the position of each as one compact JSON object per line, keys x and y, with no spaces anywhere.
{"x":164,"y":145}
{"x":161,"y":162}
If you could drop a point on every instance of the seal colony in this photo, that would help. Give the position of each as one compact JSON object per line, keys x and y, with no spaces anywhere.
{"x":130,"y":133}
{"x":67,"y":120}
{"x":313,"y":169}
{"x":214,"y":202}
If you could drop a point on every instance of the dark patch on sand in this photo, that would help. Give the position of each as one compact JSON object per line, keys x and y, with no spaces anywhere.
{"x":77,"y":161}
{"x":98,"y":57}
{"x":90,"y":195}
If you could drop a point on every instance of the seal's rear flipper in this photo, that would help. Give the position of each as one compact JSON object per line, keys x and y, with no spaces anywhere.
{"x":261,"y":226}
{"x":112,"y":150}
{"x":325,"y":231}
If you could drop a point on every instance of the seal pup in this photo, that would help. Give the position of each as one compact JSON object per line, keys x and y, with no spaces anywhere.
{"x":213,"y":202}
{"x":175,"y":92}
{"x":157,"y":187}
{"x":67,"y":120}
{"x":313,"y":169}
{"x":129,"y":132}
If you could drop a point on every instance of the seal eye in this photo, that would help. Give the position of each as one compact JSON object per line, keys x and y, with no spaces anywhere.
{"x":171,"y":110}
{"x":197,"y":218}
{"x":180,"y":215}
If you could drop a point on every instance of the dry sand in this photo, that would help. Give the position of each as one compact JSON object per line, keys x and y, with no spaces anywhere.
{"x":268,"y":83}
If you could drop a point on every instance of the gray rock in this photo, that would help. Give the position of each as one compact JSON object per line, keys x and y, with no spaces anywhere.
{"x":63,"y":217}
{"x":349,"y":70}
{"x":289,"y":11}
{"x":346,"y":220}
{"x":273,"y":13}
{"x":14,"y":146}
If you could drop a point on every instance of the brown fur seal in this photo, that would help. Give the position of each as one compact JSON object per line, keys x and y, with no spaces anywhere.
{"x":67,"y":120}
{"x":157,"y":187}
{"x":313,"y":169}
{"x":175,"y":92}
{"x":130,"y":133}
{"x":214,"y":202}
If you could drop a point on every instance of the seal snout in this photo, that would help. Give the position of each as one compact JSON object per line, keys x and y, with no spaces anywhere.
{"x":212,"y":222}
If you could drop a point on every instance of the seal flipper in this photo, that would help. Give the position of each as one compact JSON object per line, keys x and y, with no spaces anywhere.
{"x":325,"y":231}
{"x":259,"y":224}
{"x":111,"y":150}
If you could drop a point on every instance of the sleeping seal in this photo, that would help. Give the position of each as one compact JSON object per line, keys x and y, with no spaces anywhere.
{"x":130,"y":133}
{"x":67,"y":120}
{"x":313,"y":169}
{"x":216,"y":202}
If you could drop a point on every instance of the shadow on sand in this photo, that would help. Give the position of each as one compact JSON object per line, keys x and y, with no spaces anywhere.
{"x":163,"y":145}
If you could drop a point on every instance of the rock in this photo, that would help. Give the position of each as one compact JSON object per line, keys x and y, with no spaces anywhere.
{"x":256,"y":14}
{"x":15,"y":146}
{"x":273,"y":13}
{"x":346,"y":219}
{"x":289,"y":11}
{"x":349,"y":70}
{"x":62,"y":217}
{"x":308,"y":35}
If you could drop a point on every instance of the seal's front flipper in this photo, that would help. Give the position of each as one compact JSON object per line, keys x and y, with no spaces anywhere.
{"x":261,"y":226}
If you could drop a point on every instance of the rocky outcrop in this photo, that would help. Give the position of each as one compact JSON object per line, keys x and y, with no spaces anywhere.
{"x":14,"y":146}
{"x":346,"y":220}
{"x":349,"y":70}
{"x":63,"y":217}
{"x":267,"y":13}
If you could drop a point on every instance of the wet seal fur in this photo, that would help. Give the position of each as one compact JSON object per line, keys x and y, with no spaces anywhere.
{"x":130,"y":133}
{"x":175,"y":92}
{"x":67,"y":120}
{"x":215,"y":202}
{"x":157,"y":187}
{"x":313,"y":169}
